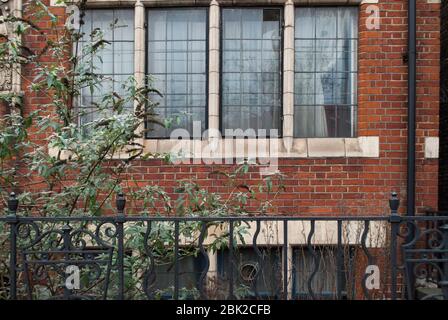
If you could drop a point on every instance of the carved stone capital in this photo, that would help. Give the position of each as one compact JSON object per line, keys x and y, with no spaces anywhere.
{"x":9,"y":77}
{"x":5,"y":77}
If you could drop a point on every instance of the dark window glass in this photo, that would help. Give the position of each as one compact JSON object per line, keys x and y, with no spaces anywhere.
{"x":324,"y":282}
{"x":114,"y":63}
{"x":326,"y":41}
{"x":190,"y":270}
{"x":251,"y":69}
{"x":177,"y":59}
{"x":254,"y":275}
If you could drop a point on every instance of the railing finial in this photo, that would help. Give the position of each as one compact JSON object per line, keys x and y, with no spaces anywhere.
{"x":121,"y":202}
{"x":394,"y":203}
{"x":13,"y":203}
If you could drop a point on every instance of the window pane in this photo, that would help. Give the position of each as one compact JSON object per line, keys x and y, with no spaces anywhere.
{"x":251,"y":67}
{"x":177,"y":60}
{"x":114,"y":63}
{"x":325,"y":72}
{"x":190,"y":269}
{"x":257,"y":274}
{"x":323,"y":283}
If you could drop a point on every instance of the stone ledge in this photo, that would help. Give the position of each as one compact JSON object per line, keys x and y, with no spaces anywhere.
{"x":361,"y":147}
{"x":156,"y":3}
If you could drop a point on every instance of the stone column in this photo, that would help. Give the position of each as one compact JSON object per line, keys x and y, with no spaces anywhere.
{"x":288,"y":76}
{"x":213,"y":69}
{"x":139,"y":49}
{"x":9,"y":74}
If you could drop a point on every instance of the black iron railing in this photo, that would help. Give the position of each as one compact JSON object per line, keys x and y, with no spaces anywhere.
{"x":237,"y":257}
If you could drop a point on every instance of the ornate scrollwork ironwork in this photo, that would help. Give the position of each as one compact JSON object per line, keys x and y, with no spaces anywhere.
{"x":370,"y":259}
{"x":47,"y":250}
{"x":425,"y":260}
{"x":315,"y":259}
{"x":43,"y":248}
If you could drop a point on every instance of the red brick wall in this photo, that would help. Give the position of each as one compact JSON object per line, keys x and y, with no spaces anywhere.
{"x":343,"y":185}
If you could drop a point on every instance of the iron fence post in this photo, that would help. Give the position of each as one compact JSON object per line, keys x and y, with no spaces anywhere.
{"x":176,"y":260}
{"x":339,"y":262}
{"x":13,"y":204}
{"x":394,"y":221}
{"x":444,"y":281}
{"x":285,"y":259}
{"x":231,"y":295}
{"x":66,"y":229}
{"x":121,"y":203}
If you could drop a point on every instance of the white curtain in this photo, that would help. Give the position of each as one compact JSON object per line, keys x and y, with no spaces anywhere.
{"x":325,"y":82}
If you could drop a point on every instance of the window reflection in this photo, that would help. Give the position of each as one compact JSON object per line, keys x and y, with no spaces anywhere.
{"x":114,"y":63}
{"x":177,"y":56}
{"x":251,"y":69}
{"x":326,"y":42}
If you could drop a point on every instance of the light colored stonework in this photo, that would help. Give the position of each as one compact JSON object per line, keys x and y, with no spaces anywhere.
{"x":139,"y":53}
{"x":361,"y":147}
{"x":5,"y":77}
{"x":366,"y":147}
{"x":431,"y":147}
{"x":164,"y":3}
{"x":9,"y":74}
{"x":326,"y":147}
{"x":213,"y":68}
{"x":288,"y":76}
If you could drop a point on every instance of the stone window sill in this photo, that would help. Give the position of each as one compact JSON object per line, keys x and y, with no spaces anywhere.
{"x":361,"y":147}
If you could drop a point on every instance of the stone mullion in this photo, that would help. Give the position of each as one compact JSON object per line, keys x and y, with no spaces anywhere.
{"x":288,"y":76}
{"x":213,"y":69}
{"x":139,"y":52}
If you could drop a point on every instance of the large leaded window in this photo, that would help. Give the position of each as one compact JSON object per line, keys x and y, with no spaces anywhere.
{"x":114,"y":63}
{"x":238,"y":79}
{"x":251,"y":69}
{"x":325,"y":72}
{"x":177,"y":59}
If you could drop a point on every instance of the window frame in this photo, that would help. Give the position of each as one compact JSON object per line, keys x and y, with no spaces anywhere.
{"x":78,"y":101}
{"x":281,"y":71}
{"x":355,"y":105}
{"x":299,"y":148}
{"x":207,"y":58}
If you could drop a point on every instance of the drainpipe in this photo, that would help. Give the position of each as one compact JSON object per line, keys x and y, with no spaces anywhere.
{"x":412,"y":51}
{"x":412,"y":62}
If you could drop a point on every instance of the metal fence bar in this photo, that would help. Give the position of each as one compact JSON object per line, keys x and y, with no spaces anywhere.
{"x":316,"y":260}
{"x":259,"y":258}
{"x":396,"y":247}
{"x":176,"y":260}
{"x":285,"y":260}
{"x":13,"y":204}
{"x":204,"y":253}
{"x":394,"y":221}
{"x":366,"y":292}
{"x":66,"y":229}
{"x":231,"y":262}
{"x":339,"y":263}
{"x":137,"y":218}
{"x":444,"y":278}
{"x":121,"y":202}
